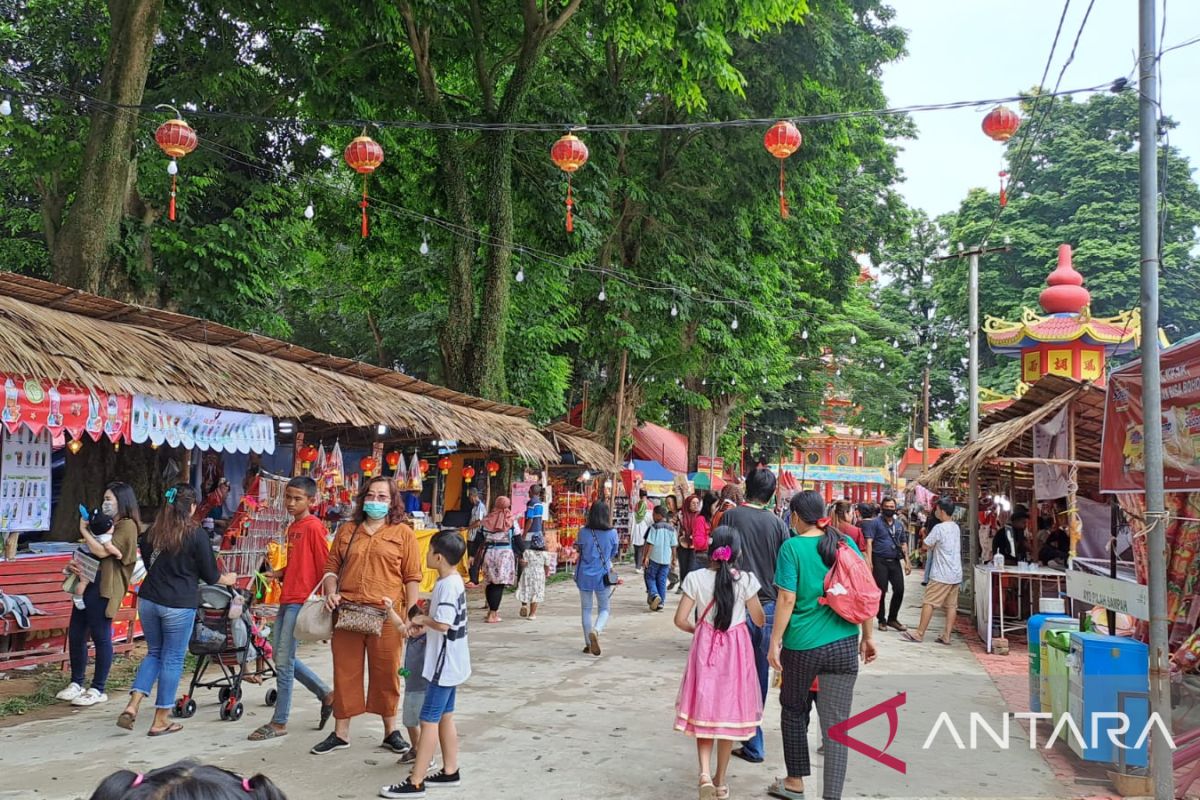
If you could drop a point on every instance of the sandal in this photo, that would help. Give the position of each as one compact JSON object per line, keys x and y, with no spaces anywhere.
{"x":723,"y":792}
{"x":942,"y":640}
{"x":174,"y":727}
{"x":524,"y":610}
{"x":707,"y":790}
{"x":265,"y":732}
{"x":778,"y":789}
{"x":908,"y":637}
{"x":126,"y":720}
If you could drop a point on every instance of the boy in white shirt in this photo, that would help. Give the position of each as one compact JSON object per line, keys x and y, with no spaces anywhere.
{"x":944,"y":547}
{"x":447,"y":664}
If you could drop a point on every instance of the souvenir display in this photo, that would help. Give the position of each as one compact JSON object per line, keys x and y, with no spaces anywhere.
{"x":63,"y":409}
{"x":25,"y":481}
{"x":182,"y":424}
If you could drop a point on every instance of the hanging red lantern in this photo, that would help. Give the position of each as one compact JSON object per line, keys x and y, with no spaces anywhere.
{"x":424,"y":465}
{"x":393,"y":460}
{"x":369,"y":466}
{"x":176,"y":138}
{"x":493,"y":469}
{"x":1001,"y":123}
{"x":569,"y":154}
{"x":308,"y":455}
{"x":781,"y":141}
{"x":364,"y":155}
{"x":444,"y":465}
{"x":468,"y":474}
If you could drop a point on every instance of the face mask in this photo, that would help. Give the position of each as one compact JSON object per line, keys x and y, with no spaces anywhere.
{"x":375,"y":510}
{"x":109,"y":508}
{"x":889,"y":512}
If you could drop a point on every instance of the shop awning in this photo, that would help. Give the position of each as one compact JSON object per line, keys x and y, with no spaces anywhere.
{"x":583,"y":444}
{"x":653,"y":471}
{"x":63,"y":334}
{"x":661,"y":444}
{"x":706,"y":482}
{"x":185,"y":425}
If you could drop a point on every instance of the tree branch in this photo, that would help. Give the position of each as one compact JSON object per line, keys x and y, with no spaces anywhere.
{"x":481,"y":71}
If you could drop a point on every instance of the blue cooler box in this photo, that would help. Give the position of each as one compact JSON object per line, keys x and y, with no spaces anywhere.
{"x":1100,"y":668}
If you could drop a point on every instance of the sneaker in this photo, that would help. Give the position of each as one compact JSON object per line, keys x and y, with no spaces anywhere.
{"x":594,"y":643}
{"x":72,"y":691}
{"x":655,"y":603}
{"x":409,"y":758}
{"x":442,"y":780}
{"x":78,"y":601}
{"x":395,"y":742}
{"x":405,"y":789}
{"x":90,"y":698}
{"x":329,"y":744}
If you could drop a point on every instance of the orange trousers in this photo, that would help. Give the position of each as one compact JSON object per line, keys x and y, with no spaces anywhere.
{"x":380,"y":658}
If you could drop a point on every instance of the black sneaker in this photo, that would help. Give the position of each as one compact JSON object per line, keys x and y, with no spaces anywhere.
{"x":406,"y":789}
{"x":329,"y":744}
{"x":442,"y":780}
{"x":394,"y":741}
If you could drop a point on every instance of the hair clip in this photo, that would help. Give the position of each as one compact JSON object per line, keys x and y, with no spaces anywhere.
{"x":246,"y":785}
{"x":171,"y":494}
{"x":724,"y":553}
{"x":138,"y":780}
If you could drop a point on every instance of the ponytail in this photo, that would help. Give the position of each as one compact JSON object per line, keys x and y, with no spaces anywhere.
{"x":809,"y":506}
{"x":186,"y":779}
{"x":723,"y":551}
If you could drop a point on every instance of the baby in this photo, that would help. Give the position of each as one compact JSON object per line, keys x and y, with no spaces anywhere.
{"x":100,"y":526}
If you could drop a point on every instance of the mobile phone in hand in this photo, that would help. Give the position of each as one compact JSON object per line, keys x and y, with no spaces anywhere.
{"x":84,"y":513}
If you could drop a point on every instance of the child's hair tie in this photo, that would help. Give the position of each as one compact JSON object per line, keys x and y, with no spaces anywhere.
{"x":723,"y":553}
{"x":171,"y":493}
{"x":138,"y":780}
{"x":246,"y":785}
{"x":823,"y":523}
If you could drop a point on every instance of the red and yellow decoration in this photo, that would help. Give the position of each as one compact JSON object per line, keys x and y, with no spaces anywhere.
{"x":363,"y":155}
{"x":424,"y":465}
{"x":569,"y":153}
{"x":308,"y":456}
{"x":781,"y":141}
{"x":468,"y":474}
{"x":392,"y":459}
{"x":1001,"y":123}
{"x":444,"y":465}
{"x":369,"y":466}
{"x":493,"y":468}
{"x":176,"y":138}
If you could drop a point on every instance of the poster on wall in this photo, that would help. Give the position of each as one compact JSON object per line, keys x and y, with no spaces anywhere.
{"x":186,"y":425}
{"x":25,"y":481}
{"x":37,"y":405}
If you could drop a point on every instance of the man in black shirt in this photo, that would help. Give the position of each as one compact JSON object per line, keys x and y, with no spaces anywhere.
{"x":1010,"y":541}
{"x":762,"y":535}
{"x":887,"y":553}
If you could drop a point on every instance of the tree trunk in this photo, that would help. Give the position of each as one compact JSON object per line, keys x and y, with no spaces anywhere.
{"x":97,"y":465}
{"x":706,"y":426}
{"x":93,"y":224}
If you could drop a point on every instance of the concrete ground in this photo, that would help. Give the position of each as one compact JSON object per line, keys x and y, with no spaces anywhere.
{"x":540,"y":719}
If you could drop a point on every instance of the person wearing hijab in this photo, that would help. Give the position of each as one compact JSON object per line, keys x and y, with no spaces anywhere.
{"x":503,"y":541}
{"x":693,"y":537}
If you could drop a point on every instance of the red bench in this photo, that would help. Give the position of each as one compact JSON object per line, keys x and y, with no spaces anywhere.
{"x":45,"y":640}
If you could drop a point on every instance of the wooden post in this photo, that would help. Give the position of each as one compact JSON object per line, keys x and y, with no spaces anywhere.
{"x":925,"y":433}
{"x":620,"y":408}
{"x":1073,"y":526}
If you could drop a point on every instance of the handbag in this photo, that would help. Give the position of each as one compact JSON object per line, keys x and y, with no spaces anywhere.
{"x":610,"y":576}
{"x":314,"y":622}
{"x":357,"y":617}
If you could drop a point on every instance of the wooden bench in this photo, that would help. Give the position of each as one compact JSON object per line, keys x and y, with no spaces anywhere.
{"x":45,"y":640}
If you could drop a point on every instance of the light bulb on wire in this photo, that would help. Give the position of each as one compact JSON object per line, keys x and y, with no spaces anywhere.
{"x":520,"y":274}
{"x":6,"y":106}
{"x":424,"y":248}
{"x":674,"y":310}
{"x":896,"y":343}
{"x":172,"y":167}
{"x":309,"y":212}
{"x":603,"y":295}
{"x":853,"y":339}
{"x":734,"y":325}
{"x":804,"y":334}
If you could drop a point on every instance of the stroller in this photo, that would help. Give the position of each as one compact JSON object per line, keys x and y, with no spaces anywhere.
{"x":225,"y":634}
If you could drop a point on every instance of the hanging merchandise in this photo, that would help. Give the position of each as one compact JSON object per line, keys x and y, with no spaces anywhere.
{"x":336,"y":465}
{"x":25,"y":481}
{"x":364,"y":155}
{"x":416,"y":474}
{"x":569,"y":154}
{"x":63,"y":408}
{"x":177,"y":139}
{"x":781,"y":141}
{"x":183,"y":424}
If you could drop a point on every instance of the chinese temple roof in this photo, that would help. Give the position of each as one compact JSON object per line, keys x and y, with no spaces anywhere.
{"x":1068,"y":318}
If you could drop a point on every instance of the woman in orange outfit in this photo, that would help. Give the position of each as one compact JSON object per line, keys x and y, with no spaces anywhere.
{"x":373,"y":557}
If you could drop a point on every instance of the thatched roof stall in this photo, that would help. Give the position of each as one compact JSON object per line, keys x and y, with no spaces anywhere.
{"x":52,"y":331}
{"x":585,"y":445}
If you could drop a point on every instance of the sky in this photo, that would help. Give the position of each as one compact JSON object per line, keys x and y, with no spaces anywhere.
{"x":979,"y":49}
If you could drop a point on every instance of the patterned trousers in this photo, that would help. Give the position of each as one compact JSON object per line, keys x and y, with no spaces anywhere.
{"x":837,"y":666}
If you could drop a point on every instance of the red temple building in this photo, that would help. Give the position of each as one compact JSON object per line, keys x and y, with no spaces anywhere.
{"x":831,"y":458}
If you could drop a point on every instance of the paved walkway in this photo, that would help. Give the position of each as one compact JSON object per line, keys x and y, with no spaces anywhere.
{"x":541,"y":720}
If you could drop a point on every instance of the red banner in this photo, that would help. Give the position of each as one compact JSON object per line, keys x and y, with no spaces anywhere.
{"x":39,"y":405}
{"x":1122,"y":460}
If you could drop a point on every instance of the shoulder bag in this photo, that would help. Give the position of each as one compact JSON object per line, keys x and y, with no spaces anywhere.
{"x":357,"y":617}
{"x":610,"y":576}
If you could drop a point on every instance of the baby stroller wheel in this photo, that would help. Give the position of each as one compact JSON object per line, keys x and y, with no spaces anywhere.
{"x":189,"y":709}
{"x":272,"y":696}
{"x":236,"y":713}
{"x":178,"y":709}
{"x":223,"y":695}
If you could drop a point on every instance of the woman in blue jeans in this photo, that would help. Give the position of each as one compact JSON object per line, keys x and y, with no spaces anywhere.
{"x":178,"y":556}
{"x":597,"y":545}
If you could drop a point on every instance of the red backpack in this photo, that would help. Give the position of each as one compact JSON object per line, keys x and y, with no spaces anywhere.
{"x":850,"y":588}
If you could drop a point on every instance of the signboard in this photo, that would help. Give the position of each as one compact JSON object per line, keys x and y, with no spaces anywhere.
{"x":25,"y":481}
{"x":60,"y":408}
{"x":1122,"y":457}
{"x":1124,"y":597}
{"x":836,"y":474}
{"x":176,"y":424}
{"x":709,"y":464}
{"x":520,"y":498}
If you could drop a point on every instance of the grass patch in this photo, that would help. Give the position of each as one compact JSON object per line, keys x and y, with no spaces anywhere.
{"x":52,"y":680}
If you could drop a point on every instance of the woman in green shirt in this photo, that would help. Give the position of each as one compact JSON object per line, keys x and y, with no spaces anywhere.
{"x":813,"y":640}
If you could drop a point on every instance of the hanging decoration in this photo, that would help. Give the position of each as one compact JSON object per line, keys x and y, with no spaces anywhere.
{"x":569,"y":154}
{"x":416,"y":474}
{"x":493,"y":468}
{"x":363,"y":155}
{"x":444,"y":465}
{"x":423,"y":465}
{"x":1003,"y":188}
{"x":781,"y":141}
{"x":1001,"y":123}
{"x":392,"y":459}
{"x":176,"y":138}
{"x":308,"y":456}
{"x":468,"y":474}
{"x":369,"y":466}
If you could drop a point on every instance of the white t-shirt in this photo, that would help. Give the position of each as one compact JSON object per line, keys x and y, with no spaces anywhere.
{"x":699,"y":585}
{"x":945,"y":550}
{"x":447,"y":657}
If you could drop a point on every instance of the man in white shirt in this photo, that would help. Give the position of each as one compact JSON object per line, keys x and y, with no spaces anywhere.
{"x":943,"y":548}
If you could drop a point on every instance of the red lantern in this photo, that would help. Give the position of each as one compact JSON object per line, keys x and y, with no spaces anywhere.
{"x":569,"y":154}
{"x":493,"y":469}
{"x":468,"y":474}
{"x":424,"y":465}
{"x":444,"y":465}
{"x":1001,"y":123}
{"x":369,"y":465}
{"x":393,"y":460}
{"x":308,"y":455}
{"x":364,"y":155}
{"x":176,"y":138}
{"x":781,"y":141}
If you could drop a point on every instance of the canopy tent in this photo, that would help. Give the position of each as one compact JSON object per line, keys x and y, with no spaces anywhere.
{"x":653,"y":471}
{"x":706,"y":482}
{"x":661,"y":444}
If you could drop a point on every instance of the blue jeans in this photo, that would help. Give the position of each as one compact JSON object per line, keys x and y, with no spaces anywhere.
{"x":89,"y":622}
{"x":761,"y":639}
{"x":167,"y":631}
{"x":288,"y":668}
{"x":439,"y":701}
{"x":585,"y":600}
{"x":656,"y":580}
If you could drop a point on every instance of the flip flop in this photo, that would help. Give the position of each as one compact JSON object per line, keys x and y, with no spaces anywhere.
{"x":174,"y":727}
{"x":942,"y":640}
{"x":777,"y":789}
{"x":908,"y":637}
{"x":126,"y":720}
{"x":265,"y":732}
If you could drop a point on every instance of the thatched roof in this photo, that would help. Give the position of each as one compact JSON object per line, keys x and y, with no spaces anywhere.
{"x":1005,"y":434}
{"x":52,"y":331}
{"x":585,"y":445}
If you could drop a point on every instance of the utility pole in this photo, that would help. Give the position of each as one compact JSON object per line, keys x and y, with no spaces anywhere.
{"x":1161,"y":768}
{"x":620,"y":408}
{"x":925,"y":429}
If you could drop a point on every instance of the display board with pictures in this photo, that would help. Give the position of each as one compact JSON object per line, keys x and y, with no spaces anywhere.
{"x":621,"y":519}
{"x":25,"y":481}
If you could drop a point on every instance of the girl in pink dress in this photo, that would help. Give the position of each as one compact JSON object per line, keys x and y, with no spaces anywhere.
{"x":719,"y":700}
